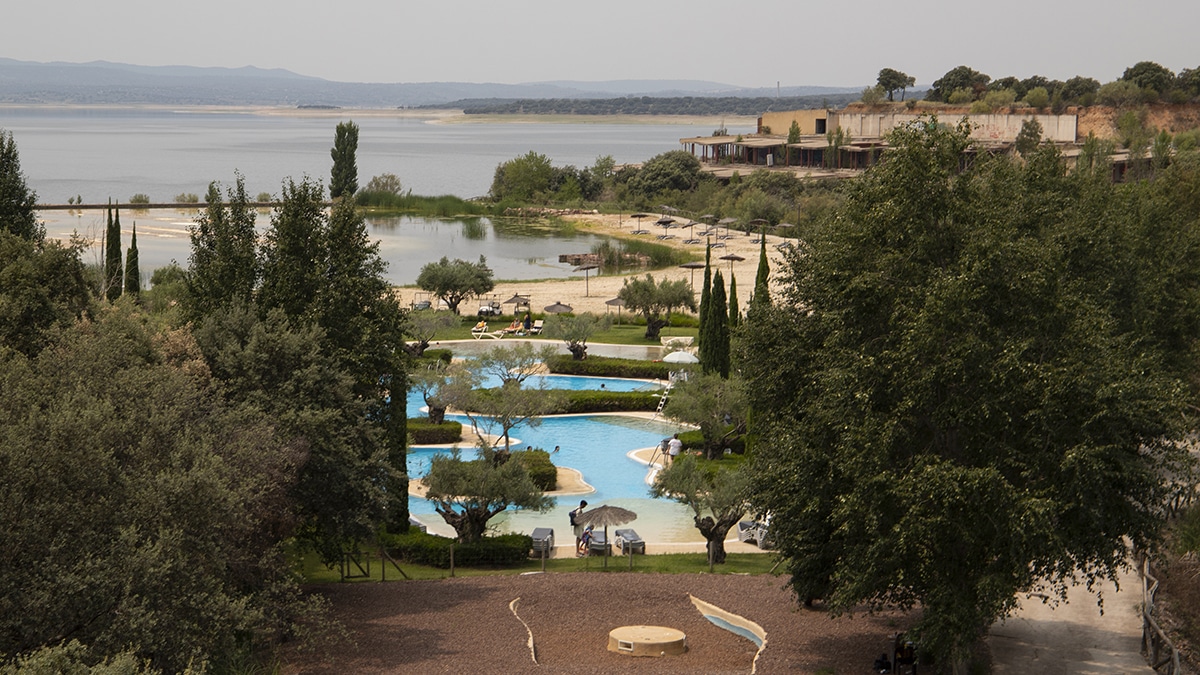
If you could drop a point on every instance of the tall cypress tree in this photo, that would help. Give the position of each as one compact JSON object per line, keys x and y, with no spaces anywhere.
{"x":760,"y":301}
{"x":112,"y":255}
{"x":17,"y":201}
{"x":734,"y":314}
{"x":719,"y":333}
{"x":133,"y":273}
{"x":706,"y":362}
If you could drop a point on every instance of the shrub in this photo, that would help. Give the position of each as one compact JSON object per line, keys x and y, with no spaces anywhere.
{"x":600,"y":366}
{"x":187,"y":198}
{"x":429,"y":549}
{"x":425,"y":433}
{"x":140,"y":198}
{"x":441,"y":354}
{"x":541,"y":470}
{"x":263,"y":197}
{"x":576,"y":402}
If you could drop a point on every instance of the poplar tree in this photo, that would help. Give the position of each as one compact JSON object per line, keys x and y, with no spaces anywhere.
{"x":705,"y":302}
{"x":112,"y":255}
{"x":344,"y":179}
{"x":133,"y":274}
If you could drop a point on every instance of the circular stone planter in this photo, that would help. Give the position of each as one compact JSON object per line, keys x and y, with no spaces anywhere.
{"x":647,"y":641}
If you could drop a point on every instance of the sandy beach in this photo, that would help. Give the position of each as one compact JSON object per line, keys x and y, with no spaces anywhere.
{"x":590,"y":294}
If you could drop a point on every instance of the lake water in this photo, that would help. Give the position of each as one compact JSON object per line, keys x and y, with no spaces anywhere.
{"x":113,"y":152}
{"x":104,"y":152}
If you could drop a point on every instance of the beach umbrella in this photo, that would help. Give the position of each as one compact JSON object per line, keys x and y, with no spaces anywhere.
{"x":667,"y":209}
{"x":559,"y":308}
{"x":639,"y":217}
{"x":680,"y":357}
{"x":732,"y":258}
{"x":665,"y":223}
{"x":693,"y":266}
{"x":518,"y":300}
{"x":605,"y":516}
{"x":726,"y":222}
{"x":618,"y":303}
{"x":585,"y":269}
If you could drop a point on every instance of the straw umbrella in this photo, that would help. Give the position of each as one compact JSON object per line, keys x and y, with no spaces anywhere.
{"x":585,"y":269}
{"x":559,"y":308}
{"x":666,"y":223}
{"x":618,"y":303}
{"x":605,"y":516}
{"x":638,"y":217}
{"x":727,"y":222}
{"x":732,"y":258}
{"x":693,"y":266}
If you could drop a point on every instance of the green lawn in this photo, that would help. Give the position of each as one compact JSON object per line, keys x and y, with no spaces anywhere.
{"x":674,"y":563}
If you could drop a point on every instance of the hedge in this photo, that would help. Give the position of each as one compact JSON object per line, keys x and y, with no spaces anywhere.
{"x":603,"y":366}
{"x":425,"y":433}
{"x":593,"y":401}
{"x":541,"y":470}
{"x":420,"y":548}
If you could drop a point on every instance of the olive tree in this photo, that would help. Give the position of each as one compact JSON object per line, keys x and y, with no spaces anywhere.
{"x":718,"y":497}
{"x":575,"y":331}
{"x":453,"y":281}
{"x":656,"y":300}
{"x":467,"y":493}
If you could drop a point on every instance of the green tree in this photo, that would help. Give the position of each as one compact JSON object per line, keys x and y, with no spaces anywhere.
{"x":955,"y":79}
{"x":42,"y":287}
{"x":717,"y":498}
{"x":1038,"y":98}
{"x":735,"y":314}
{"x":133,"y":272}
{"x":576,"y":330}
{"x":431,"y":380}
{"x":224,"y":264}
{"x":715,"y":405}
{"x":388,"y":183}
{"x":656,"y":300}
{"x":1080,"y":89}
{"x":112,"y":256}
{"x":343,"y":179}
{"x":528,"y":178}
{"x":467,"y":493}
{"x":293,"y":255}
{"x":1029,"y":138}
{"x":677,"y":170}
{"x":716,"y":336}
{"x":1150,"y":75}
{"x":423,"y":325}
{"x":17,"y":201}
{"x":981,"y":383}
{"x":142,"y":516}
{"x":892,"y":80}
{"x":453,"y":281}
{"x":761,"y":300}
{"x":871,"y":95}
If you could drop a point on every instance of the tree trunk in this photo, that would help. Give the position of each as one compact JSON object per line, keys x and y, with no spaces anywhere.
{"x":468,"y":525}
{"x":578,"y":350}
{"x":714,"y":532}
{"x":653,"y":326}
{"x":437,"y":414}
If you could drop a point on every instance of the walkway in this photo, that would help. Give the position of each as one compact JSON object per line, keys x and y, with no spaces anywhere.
{"x":1074,"y":638}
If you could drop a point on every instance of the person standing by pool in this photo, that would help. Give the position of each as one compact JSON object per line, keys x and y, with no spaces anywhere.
{"x":674,"y":447}
{"x":575,"y":514}
{"x":527,"y":323}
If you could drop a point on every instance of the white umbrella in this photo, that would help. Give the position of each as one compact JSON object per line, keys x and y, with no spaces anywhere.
{"x":680,"y":357}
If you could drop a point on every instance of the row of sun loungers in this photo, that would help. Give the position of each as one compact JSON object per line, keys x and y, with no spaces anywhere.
{"x":481,"y":331}
{"x":627,"y":540}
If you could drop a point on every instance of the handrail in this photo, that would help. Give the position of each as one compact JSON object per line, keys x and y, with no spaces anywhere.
{"x":1158,"y":649}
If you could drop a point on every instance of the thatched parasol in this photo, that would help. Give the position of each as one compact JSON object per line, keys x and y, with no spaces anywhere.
{"x":559,"y":308}
{"x":693,"y":266}
{"x":585,"y":269}
{"x":605,"y":516}
{"x":732,"y":258}
{"x":618,"y":303}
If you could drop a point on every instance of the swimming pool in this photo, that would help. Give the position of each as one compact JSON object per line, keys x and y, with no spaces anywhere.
{"x":595,"y":445}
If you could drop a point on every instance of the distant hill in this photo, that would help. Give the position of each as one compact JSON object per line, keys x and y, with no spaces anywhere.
{"x":102,"y":82}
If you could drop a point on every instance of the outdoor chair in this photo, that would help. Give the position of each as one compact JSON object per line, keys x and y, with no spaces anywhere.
{"x":543,"y":539}
{"x":628,"y":540}
{"x":746,"y":530}
{"x":536,"y":329}
{"x":598,"y":545}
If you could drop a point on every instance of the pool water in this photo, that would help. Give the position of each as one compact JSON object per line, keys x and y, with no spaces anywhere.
{"x":595,"y":445}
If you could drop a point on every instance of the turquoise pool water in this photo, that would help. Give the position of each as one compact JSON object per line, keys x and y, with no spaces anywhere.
{"x":595,"y":445}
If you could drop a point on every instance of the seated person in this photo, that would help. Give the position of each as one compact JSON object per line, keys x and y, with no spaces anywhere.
{"x":480,"y":327}
{"x":514,"y":327}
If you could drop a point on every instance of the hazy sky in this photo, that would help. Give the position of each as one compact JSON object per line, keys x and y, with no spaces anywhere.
{"x":757,"y":43}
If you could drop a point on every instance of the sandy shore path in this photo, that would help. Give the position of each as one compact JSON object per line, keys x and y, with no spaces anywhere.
{"x":590,"y":295}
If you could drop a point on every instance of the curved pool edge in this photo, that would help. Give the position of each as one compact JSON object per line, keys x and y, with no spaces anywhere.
{"x":709,"y":610}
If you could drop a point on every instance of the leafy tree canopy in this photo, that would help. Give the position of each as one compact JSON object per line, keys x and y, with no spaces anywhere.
{"x":960,"y":78}
{"x":456,"y":280}
{"x":656,"y":300}
{"x":974,"y":383}
{"x":717,"y":497}
{"x":17,"y":201}
{"x":891,"y":81}
{"x":467,"y":493}
{"x":343,"y":180}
